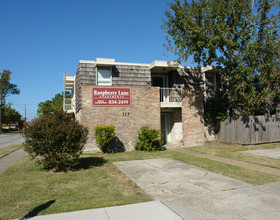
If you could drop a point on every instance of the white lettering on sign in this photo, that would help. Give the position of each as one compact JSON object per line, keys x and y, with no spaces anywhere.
{"x":122,"y":93}
{"x":103,"y":93}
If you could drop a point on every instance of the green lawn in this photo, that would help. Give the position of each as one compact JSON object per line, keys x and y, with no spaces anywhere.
{"x":28,"y":190}
{"x":98,"y":183}
{"x":232,"y":151}
{"x":9,"y":149}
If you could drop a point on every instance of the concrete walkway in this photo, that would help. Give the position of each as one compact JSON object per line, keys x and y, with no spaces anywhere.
{"x":154,"y":210}
{"x":238,"y":163}
{"x":272,"y":153}
{"x":195,"y":193}
{"x":10,"y":159}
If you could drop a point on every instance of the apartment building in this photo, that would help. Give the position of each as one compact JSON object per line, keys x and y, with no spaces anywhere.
{"x":162,"y":95}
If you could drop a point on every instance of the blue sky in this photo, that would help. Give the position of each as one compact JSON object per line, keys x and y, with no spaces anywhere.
{"x":41,"y":39}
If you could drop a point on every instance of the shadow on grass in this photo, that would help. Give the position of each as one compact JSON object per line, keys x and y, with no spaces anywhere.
{"x":38,"y":209}
{"x":89,"y":162}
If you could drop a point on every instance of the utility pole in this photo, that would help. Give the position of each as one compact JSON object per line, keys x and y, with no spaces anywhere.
{"x":64,"y":78}
{"x":0,"y":109}
{"x":25,"y":112}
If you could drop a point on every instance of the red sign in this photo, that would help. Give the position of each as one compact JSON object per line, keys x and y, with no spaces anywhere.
{"x":111,"y":96}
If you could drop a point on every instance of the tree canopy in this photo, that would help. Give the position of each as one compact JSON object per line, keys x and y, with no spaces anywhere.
{"x":51,"y":106}
{"x":240,"y":38}
{"x":6,"y":88}
{"x":10,"y":115}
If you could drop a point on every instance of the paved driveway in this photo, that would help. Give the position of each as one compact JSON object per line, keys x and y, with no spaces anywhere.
{"x":195,"y":193}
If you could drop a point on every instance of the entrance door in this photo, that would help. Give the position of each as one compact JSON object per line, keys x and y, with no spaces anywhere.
{"x":165,"y":126}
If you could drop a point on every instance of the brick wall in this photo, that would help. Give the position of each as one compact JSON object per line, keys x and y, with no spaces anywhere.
{"x":192,"y":117}
{"x":176,"y":132}
{"x":144,"y":111}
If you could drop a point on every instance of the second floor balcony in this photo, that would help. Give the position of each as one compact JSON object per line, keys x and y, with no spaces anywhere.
{"x":170,"y":97}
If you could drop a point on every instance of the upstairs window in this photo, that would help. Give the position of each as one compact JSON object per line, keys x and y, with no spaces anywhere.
{"x":212,"y":81}
{"x":104,"y":76}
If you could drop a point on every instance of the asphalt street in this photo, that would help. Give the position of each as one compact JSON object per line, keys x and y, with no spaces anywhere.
{"x":10,"y":139}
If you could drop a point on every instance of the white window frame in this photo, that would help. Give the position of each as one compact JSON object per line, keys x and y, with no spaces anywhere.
{"x":97,"y":73}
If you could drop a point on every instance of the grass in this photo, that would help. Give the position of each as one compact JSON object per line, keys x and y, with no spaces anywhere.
{"x":35,"y":191}
{"x":9,"y":149}
{"x":96,"y":183}
{"x":232,"y":151}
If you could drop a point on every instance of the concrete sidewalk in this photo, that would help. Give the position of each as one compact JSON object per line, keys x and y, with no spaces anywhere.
{"x":272,"y":153}
{"x":10,"y":159}
{"x":154,"y":210}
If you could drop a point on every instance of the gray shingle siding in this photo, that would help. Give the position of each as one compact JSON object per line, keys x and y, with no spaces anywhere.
{"x":185,"y":78}
{"x":124,"y":75}
{"x":86,"y":75}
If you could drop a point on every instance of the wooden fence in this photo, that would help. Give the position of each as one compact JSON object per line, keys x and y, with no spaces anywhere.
{"x":250,"y":130}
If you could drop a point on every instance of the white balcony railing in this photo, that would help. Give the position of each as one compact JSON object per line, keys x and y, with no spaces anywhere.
{"x":171,"y":97}
{"x":170,"y":94}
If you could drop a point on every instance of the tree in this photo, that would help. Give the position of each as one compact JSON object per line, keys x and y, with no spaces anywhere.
{"x":6,"y":88}
{"x":10,"y":115}
{"x":54,"y":105}
{"x":241,"y":39}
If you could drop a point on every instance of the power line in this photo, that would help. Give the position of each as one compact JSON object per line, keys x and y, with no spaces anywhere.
{"x":25,"y":104}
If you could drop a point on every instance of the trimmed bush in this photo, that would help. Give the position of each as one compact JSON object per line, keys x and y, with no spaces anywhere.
{"x":149,"y":140}
{"x":104,"y":136}
{"x":55,"y":140}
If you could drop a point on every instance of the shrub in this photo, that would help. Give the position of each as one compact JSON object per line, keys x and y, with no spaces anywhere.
{"x":104,"y":136}
{"x":149,"y":140}
{"x":55,"y":140}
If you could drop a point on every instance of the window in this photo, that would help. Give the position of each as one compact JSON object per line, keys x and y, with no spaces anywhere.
{"x":212,"y":81}
{"x":104,"y":76}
